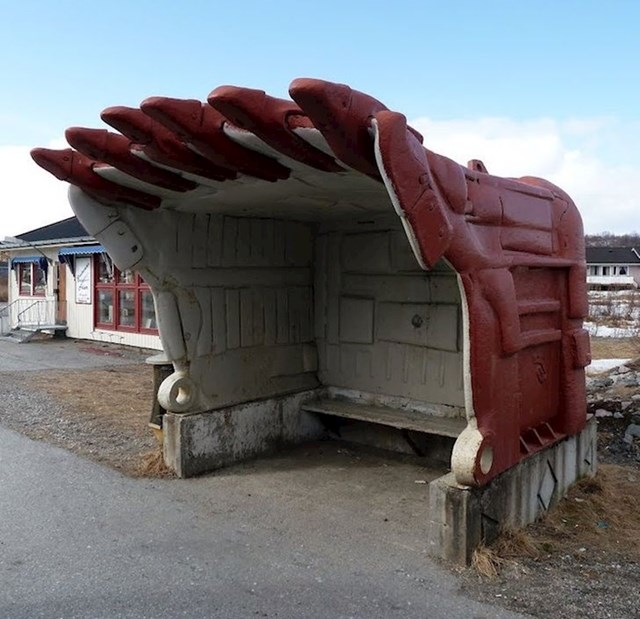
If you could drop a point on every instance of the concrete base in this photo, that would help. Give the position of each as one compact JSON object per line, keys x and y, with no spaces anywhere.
{"x":462,"y":517}
{"x":202,"y":442}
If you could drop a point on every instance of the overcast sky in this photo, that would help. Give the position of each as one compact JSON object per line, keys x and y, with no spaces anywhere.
{"x":532,"y":88}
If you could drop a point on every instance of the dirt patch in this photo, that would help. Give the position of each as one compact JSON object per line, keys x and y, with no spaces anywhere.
{"x":116,"y":396}
{"x":615,"y":348}
{"x":600,"y":515}
{"x":101,"y":414}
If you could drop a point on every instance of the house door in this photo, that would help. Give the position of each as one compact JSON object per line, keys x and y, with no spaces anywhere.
{"x":61,"y":294}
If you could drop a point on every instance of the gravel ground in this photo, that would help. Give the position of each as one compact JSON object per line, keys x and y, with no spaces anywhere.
{"x":42,"y":417}
{"x":91,"y":399}
{"x":563,"y":587}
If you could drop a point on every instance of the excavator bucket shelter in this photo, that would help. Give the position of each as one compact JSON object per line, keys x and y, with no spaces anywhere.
{"x":311,"y":258}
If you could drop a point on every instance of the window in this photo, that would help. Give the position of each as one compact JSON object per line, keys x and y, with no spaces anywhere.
{"x":123,"y":301}
{"x":623,"y":270}
{"x":32,"y":280}
{"x":605,"y":270}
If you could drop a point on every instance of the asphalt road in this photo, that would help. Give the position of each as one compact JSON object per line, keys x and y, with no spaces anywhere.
{"x":286,"y":538}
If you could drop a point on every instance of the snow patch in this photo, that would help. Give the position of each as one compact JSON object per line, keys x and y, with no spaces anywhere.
{"x":604,"y":365}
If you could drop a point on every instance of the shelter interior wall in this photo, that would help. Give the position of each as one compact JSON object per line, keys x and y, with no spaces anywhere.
{"x":384,"y":326}
{"x":285,"y":306}
{"x":245,"y":298}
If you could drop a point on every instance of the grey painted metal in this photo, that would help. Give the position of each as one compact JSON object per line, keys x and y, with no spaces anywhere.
{"x":397,"y":418}
{"x":382,"y":324}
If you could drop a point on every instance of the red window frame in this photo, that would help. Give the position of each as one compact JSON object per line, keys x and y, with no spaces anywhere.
{"x":32,"y":268}
{"x":132,"y":285}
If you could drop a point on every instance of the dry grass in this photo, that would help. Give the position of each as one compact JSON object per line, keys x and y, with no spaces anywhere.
{"x":120,"y":395}
{"x":599,"y":515}
{"x":615,"y":348}
{"x":152,"y":465}
{"x":488,"y":561}
{"x":109,"y":409}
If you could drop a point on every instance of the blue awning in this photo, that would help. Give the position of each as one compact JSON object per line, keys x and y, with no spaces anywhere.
{"x":84,"y":250}
{"x":67,"y":255}
{"x":25,"y":259}
{"x":39,"y":260}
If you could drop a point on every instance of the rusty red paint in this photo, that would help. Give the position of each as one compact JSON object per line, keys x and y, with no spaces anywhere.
{"x":343,"y":116}
{"x":115,"y":149}
{"x":517,"y":245}
{"x":161,"y":145}
{"x":203,"y":128}
{"x":69,"y":165}
{"x":268,"y":118}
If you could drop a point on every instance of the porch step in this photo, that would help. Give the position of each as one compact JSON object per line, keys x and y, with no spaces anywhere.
{"x":25,"y":333}
{"x":386,"y":416}
{"x":44,"y":327}
{"x":18,"y":336}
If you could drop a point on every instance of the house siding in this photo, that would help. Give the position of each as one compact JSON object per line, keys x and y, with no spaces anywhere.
{"x":80,"y":317}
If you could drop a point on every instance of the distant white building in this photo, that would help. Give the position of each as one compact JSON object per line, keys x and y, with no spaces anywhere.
{"x":60,"y":279}
{"x":610,"y":267}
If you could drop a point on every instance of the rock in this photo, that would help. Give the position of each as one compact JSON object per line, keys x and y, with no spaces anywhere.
{"x":635,"y":397}
{"x":624,"y":405}
{"x":630,"y":380}
{"x":601,"y":383}
{"x":632,"y":431}
{"x":617,"y":415}
{"x":601,"y":412}
{"x":622,"y":369}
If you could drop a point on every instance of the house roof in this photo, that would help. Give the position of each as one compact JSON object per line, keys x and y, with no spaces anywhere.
{"x":66,"y":229}
{"x":612,"y":255}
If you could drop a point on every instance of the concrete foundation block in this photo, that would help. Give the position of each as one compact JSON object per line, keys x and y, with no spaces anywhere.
{"x":462,"y":517}
{"x":201,"y":442}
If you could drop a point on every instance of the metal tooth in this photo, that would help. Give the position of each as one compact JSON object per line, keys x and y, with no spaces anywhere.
{"x":269,"y":118}
{"x":161,"y":145}
{"x":56,"y":162}
{"x":69,"y":165}
{"x":114,"y":149}
{"x":202,"y":127}
{"x":343,"y":116}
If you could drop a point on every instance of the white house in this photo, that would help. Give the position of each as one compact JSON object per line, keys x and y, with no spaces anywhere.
{"x":613,"y":267}
{"x":61,"y":280}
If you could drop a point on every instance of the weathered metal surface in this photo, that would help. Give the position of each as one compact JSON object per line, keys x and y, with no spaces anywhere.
{"x":244,"y":313}
{"x":403,"y":419}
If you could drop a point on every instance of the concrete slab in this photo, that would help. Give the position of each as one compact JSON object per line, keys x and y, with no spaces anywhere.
{"x":461,"y":517}
{"x":202,"y":442}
